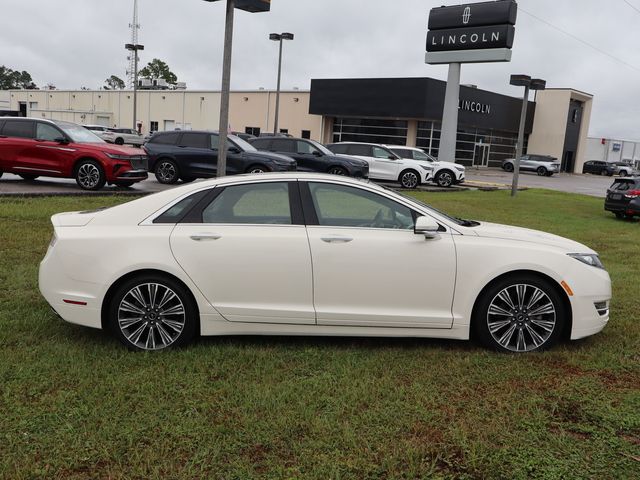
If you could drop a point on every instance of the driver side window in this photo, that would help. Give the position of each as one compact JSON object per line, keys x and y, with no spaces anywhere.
{"x":381,"y":153}
{"x":47,"y":132}
{"x":344,"y":206}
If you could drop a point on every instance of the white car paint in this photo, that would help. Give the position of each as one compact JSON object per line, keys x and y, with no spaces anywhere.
{"x":313,"y":280}
{"x":456,"y":169}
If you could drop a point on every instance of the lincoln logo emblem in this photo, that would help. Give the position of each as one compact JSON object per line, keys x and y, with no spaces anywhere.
{"x":466,"y":15}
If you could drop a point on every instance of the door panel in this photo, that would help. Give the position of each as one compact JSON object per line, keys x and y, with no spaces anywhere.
{"x":385,"y":167}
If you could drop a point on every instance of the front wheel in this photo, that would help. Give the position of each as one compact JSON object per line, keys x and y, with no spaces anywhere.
{"x":337,"y":171}
{"x":28,"y":177}
{"x":520,"y":313}
{"x":444,"y":178}
{"x":623,"y":173}
{"x":167,"y":172}
{"x":119,"y":141}
{"x":541,"y":171}
{"x":257,"y":169}
{"x":508,"y":167}
{"x":151,"y":312}
{"x":409,"y":179}
{"x":90,"y":175}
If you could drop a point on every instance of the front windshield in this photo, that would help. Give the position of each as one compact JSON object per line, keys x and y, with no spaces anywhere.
{"x":79,"y":134}
{"x":322,"y":148}
{"x":242,"y":144}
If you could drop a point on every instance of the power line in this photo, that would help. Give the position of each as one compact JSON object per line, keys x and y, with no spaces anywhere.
{"x":603,"y":52}
{"x":632,"y":5}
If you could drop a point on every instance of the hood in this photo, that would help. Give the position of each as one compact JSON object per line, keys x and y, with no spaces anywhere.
{"x":113,"y":149}
{"x":275,"y":157}
{"x":494,"y":230}
{"x":353,"y":160}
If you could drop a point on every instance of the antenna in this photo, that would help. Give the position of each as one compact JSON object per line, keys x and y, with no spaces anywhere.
{"x":131,"y":58}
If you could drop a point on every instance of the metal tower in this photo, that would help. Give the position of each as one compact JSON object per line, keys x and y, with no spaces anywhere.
{"x":134,"y":26}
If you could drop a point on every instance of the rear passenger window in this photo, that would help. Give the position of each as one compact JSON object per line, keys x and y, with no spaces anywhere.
{"x":165,"y":138}
{"x":195,"y":140}
{"x":16,"y":128}
{"x":281,"y":145}
{"x":362,"y":150}
{"x":258,"y":203}
{"x":261,"y":143}
{"x":338,"y":148}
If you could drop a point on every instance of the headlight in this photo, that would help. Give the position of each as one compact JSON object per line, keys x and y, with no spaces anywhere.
{"x":590,"y":259}
{"x":427,"y":168}
{"x":460,"y":168}
{"x":117,"y":157}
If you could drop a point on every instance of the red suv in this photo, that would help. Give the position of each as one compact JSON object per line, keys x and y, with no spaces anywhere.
{"x":32,"y":147}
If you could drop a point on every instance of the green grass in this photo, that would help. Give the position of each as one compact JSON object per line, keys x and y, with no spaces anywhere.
{"x":75,"y":404}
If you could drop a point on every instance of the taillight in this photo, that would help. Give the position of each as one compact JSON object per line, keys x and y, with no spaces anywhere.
{"x":633,"y":194}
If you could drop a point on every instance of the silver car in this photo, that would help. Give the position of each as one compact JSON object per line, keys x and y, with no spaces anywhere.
{"x":127,"y":136}
{"x":543,"y":165}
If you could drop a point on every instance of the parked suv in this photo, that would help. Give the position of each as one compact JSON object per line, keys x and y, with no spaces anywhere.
{"x":312,"y":156}
{"x":386,"y":165}
{"x":624,"y":169}
{"x":543,"y":165}
{"x":599,"y":167}
{"x":32,"y":148}
{"x":445,"y":174}
{"x":103,"y":132}
{"x":188,"y":155}
{"x":127,"y":136}
{"x":623,"y":197}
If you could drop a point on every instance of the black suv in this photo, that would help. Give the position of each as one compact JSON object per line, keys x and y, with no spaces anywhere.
{"x":599,"y":167}
{"x":312,"y":156}
{"x":623,"y":197}
{"x":194,"y":154}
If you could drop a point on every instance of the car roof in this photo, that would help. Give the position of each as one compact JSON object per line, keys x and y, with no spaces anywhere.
{"x":358,"y":143}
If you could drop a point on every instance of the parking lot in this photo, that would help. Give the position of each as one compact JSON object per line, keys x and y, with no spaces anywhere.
{"x":591,"y":185}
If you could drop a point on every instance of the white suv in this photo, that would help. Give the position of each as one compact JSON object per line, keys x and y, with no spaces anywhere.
{"x":103,"y":132}
{"x":445,"y":174}
{"x":386,"y":165}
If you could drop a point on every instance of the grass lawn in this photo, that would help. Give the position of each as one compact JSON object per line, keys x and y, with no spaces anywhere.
{"x":75,"y":404}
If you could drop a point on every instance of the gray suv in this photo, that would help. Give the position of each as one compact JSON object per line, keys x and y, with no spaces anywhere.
{"x":543,"y":165}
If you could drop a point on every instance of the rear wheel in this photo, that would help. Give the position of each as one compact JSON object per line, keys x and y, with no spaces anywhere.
{"x":152,"y":312}
{"x":508,"y":167}
{"x":541,"y":171}
{"x":520,"y":313}
{"x":623,"y":173}
{"x":119,"y":141}
{"x":28,"y":177}
{"x":409,"y":179}
{"x":90,"y":175}
{"x":603,"y":172}
{"x":167,"y":172}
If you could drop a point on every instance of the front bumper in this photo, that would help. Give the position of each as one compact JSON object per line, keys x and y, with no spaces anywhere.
{"x":133,"y":175}
{"x":591,"y":289}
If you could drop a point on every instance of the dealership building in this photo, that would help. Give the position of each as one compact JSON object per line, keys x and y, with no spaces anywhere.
{"x":398,"y":111}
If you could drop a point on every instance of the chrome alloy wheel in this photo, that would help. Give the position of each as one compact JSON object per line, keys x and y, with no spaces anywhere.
{"x":166,"y":172}
{"x":151,"y":316}
{"x":257,"y":170}
{"x":409,"y":180}
{"x":444,"y":179}
{"x":337,"y":171}
{"x":88,"y":175}
{"x":521,"y":318}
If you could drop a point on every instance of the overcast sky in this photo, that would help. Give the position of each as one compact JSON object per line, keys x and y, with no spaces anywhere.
{"x":76,"y":43}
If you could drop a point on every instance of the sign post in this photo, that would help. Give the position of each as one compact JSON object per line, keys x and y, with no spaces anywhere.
{"x":471,"y":33}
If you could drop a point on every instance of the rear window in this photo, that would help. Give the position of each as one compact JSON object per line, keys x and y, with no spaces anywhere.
{"x":180,"y":209}
{"x":18,"y":128}
{"x":622,"y":185}
{"x":338,"y":148}
{"x":261,"y":143}
{"x":195,"y":140}
{"x":282,"y":145}
{"x":362,"y":150}
{"x":541,"y":158}
{"x":165,"y":138}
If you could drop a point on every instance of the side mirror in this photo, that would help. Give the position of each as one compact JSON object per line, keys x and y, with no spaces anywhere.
{"x":233,"y":150}
{"x":61,"y":140}
{"x":391,"y":157}
{"x":426,"y":226}
{"x":317,"y":153}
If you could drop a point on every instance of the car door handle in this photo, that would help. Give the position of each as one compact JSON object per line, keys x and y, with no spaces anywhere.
{"x":200,"y":237}
{"x":336,"y":239}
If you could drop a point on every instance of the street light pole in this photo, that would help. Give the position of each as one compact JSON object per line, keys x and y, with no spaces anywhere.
{"x":226,"y":87}
{"x":134,"y":48}
{"x":528,"y":84}
{"x":279,"y":37}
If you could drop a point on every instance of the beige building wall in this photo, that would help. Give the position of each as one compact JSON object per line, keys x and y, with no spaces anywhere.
{"x":550,"y":124}
{"x":171,"y":109}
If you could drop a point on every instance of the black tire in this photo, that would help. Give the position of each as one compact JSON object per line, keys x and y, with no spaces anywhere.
{"x":89,"y":175}
{"x":541,"y":171}
{"x":28,"y":177}
{"x":124,"y":184}
{"x":603,"y":172}
{"x":409,"y":179}
{"x":187,"y":179}
{"x":257,"y":168}
{"x":338,"y":171}
{"x":181,"y":329}
{"x":119,"y":141}
{"x":549,"y":174}
{"x":167,"y":171}
{"x":508,"y":167}
{"x":624,"y":173}
{"x":507,"y":328}
{"x":445,"y":178}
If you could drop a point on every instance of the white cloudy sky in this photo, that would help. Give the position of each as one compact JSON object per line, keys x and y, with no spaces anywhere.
{"x":75,"y":43}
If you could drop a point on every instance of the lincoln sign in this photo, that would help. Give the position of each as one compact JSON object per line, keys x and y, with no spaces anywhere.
{"x":476,"y":32}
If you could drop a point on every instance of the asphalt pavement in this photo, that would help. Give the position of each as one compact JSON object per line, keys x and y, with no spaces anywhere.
{"x":13,"y":185}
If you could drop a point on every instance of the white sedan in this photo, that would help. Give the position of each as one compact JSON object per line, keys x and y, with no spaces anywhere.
{"x":312,"y":254}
